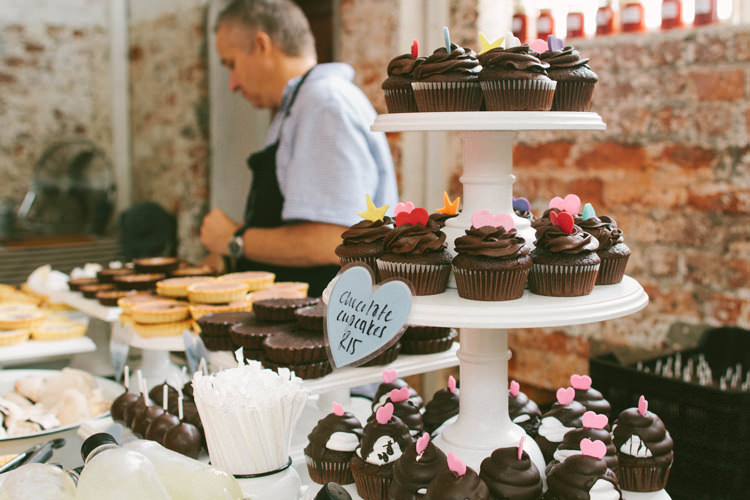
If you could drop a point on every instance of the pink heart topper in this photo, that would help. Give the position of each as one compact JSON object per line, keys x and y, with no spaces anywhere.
{"x":389,"y":376}
{"x":452,"y":384}
{"x":642,"y":406}
{"x":520,"y":448}
{"x":384,"y":413}
{"x":580,"y":382}
{"x":483,"y":218}
{"x":555,"y":43}
{"x":338,"y":410}
{"x":403,"y":207}
{"x":515,"y":387}
{"x":571,"y":204}
{"x":596,"y":449}
{"x":422,"y":443}
{"x":565,"y":396}
{"x":416,"y":216}
{"x":538,"y":45}
{"x":456,"y":465}
{"x":592,"y":420}
{"x":398,"y":395}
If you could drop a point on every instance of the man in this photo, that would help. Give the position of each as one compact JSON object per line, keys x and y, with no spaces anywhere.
{"x":320,"y":160}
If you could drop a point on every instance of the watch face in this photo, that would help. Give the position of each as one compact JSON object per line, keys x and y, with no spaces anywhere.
{"x":235,"y":247}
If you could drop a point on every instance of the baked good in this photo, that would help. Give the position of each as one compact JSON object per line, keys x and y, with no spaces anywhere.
{"x":172,"y":329}
{"x":143,"y":420}
{"x":244,"y":304}
{"x":399,"y":96}
{"x":385,"y":357}
{"x":595,"y":427}
{"x":363,"y":242}
{"x":564,"y":260}
{"x":383,"y":442}
{"x":588,"y":396}
{"x":415,"y":251}
{"x":217,"y":292}
{"x":160,"y":425}
{"x":118,"y":409}
{"x":427,"y":339}
{"x":303,"y":370}
{"x":575,"y":80}
{"x":11,"y":337}
{"x":458,"y":482}
{"x":442,"y":407}
{"x":295,"y":346}
{"x":178,"y":287}
{"x":75,"y":284}
{"x":108,"y":275}
{"x":184,"y":272}
{"x":109,"y":298}
{"x":184,"y":438}
{"x":125,"y":303}
{"x":251,"y":333}
{"x":311,"y":317}
{"x":492,"y":261}
{"x":583,"y":475}
{"x":255,"y":280}
{"x":515,"y":79}
{"x":413,"y":472}
{"x":613,"y":251}
{"x":405,"y":410}
{"x":448,"y":81}
{"x":390,"y":382}
{"x":90,"y":291}
{"x":644,"y":449}
{"x":21,"y":317}
{"x":160,"y":265}
{"x":58,"y":330}
{"x":138,"y":281}
{"x":331,"y":445}
{"x":160,"y":312}
{"x":510,"y":474}
{"x":523,"y":411}
{"x":282,"y":290}
{"x":280,"y":309}
{"x":564,"y":415}
{"x":332,"y":491}
{"x":215,"y":328}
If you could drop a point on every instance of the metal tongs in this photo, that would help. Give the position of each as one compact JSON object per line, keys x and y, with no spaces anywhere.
{"x":39,"y":453}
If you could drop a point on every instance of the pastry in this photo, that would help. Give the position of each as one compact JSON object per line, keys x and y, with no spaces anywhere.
{"x":311,"y":317}
{"x":160,"y":265}
{"x":390,"y":382}
{"x":613,"y":251}
{"x":583,"y":475}
{"x":405,"y":410}
{"x":331,"y":445}
{"x":217,"y":292}
{"x":565,"y":415}
{"x":522,"y":410}
{"x":363,"y":242}
{"x":588,"y":396}
{"x":399,"y":96}
{"x":280,"y":309}
{"x":575,"y":79}
{"x":447,"y":80}
{"x":595,"y":427}
{"x":255,"y":280}
{"x":141,"y":281}
{"x":510,"y":474}
{"x":413,"y":472}
{"x":178,"y":287}
{"x":458,"y":482}
{"x":160,"y":312}
{"x":442,"y":407}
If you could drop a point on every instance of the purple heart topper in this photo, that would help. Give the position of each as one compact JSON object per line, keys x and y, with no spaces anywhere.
{"x":596,"y":449}
{"x":642,"y":406}
{"x":515,"y":387}
{"x":451,"y":384}
{"x":538,"y":45}
{"x":554,"y":43}
{"x":565,"y":396}
{"x":389,"y":376}
{"x":456,"y":465}
{"x":592,"y":420}
{"x":521,"y":204}
{"x":338,"y":410}
{"x":384,"y":413}
{"x":398,"y":395}
{"x":483,"y":218}
{"x":520,"y":448}
{"x":580,"y":382}
{"x":422,"y":443}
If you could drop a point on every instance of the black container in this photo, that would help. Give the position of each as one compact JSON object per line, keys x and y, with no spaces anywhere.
{"x":710,"y":427}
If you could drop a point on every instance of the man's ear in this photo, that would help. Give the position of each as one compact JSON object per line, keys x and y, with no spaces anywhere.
{"x":262,"y":43}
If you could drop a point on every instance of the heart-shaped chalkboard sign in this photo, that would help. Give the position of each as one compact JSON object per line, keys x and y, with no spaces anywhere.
{"x":362,"y":321}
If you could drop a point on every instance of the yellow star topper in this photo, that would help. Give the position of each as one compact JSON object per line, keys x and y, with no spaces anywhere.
{"x":486,"y":45}
{"x":373,"y":213}
{"x":449,"y":207}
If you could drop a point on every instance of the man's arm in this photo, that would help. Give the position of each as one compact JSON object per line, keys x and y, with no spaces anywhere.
{"x":298,"y":244}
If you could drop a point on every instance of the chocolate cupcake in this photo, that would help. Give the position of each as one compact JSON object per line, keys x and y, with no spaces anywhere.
{"x":331,"y":446}
{"x":413,"y":472}
{"x":645,"y":449}
{"x":515,"y":79}
{"x":363,"y":242}
{"x":448,"y":81}
{"x":523,"y":411}
{"x":588,"y":396}
{"x":565,"y":415}
{"x":581,"y":476}
{"x":613,"y":251}
{"x":405,"y":409}
{"x":442,"y":407}
{"x":399,"y":96}
{"x":511,"y":475}
{"x":390,"y":382}
{"x":595,"y":428}
{"x":575,"y":80}
{"x":458,"y":482}
{"x":280,"y":309}
{"x":492,"y":261}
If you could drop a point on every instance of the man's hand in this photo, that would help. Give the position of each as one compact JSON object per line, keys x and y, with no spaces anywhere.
{"x":216,"y":231}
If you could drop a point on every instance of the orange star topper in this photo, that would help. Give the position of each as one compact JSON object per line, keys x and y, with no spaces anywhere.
{"x":449,"y":207}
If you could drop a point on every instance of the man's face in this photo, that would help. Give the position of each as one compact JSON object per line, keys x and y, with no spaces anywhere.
{"x":245,"y":63}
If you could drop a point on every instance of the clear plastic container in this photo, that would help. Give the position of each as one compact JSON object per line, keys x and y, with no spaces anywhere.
{"x":37,"y":481}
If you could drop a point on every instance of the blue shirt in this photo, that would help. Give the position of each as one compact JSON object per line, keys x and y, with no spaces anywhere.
{"x":328,"y":159}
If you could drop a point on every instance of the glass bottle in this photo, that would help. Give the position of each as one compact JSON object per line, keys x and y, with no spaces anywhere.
{"x":671,"y":14}
{"x":574,"y":22}
{"x":520,"y":26}
{"x":706,"y":12}
{"x":605,"y":19}
{"x":545,"y":24}
{"x":633,"y":17}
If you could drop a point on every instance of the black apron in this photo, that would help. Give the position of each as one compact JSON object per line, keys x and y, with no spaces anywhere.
{"x":263,"y":209}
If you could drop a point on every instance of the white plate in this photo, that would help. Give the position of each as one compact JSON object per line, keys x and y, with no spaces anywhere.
{"x":15,"y":444}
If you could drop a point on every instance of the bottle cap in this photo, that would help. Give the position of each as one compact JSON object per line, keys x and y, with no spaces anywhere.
{"x":95,"y":441}
{"x":333,"y":491}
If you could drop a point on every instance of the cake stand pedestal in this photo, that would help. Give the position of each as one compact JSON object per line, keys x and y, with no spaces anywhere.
{"x":647,"y":495}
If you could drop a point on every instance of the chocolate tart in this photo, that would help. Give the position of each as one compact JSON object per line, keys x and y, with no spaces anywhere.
{"x":385,"y":357}
{"x":295,"y":346}
{"x":305,"y":370}
{"x":161,"y":265}
{"x":76,"y":284}
{"x":185,"y":272}
{"x":250,"y":334}
{"x":90,"y":291}
{"x":138,"y":281}
{"x":311,"y":317}
{"x":108,"y":275}
{"x":219,"y":324}
{"x":109,"y":298}
{"x":280,"y":309}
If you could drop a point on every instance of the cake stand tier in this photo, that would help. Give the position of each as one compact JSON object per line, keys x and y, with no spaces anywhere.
{"x":488,"y":120}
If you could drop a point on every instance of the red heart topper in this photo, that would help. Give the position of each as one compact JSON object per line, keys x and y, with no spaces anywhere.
{"x":563,"y":220}
{"x":416,"y":216}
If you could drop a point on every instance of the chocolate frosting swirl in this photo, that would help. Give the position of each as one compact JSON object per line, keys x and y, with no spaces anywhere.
{"x":553,"y":239}
{"x":326,"y":426}
{"x":444,"y":405}
{"x":366,"y":231}
{"x":385,"y":389}
{"x":449,"y":486}
{"x":404,"y":65}
{"x":395,"y":429}
{"x":572,"y":441}
{"x":593,"y":400}
{"x":573,"y":478}
{"x":439,"y":219}
{"x":414,"y":239}
{"x":409,"y":414}
{"x":604,"y":229}
{"x":651,"y":431}
{"x":489,"y":241}
{"x":460,"y":62}
{"x":568,"y":57}
{"x":519,"y":58}
{"x":410,"y":475}
{"x":509,"y":478}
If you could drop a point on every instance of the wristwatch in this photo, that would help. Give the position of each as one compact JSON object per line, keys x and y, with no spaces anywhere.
{"x":236,"y":247}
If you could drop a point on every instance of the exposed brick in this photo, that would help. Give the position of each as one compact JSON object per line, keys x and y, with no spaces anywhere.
{"x":712,"y":120}
{"x":710,"y":49}
{"x":634,"y":121}
{"x":738,"y":271}
{"x":727,"y":309}
{"x":610,"y":155}
{"x":716,"y":84}
{"x":136,"y":53}
{"x":13,"y":62}
{"x":7,"y":78}
{"x":671,"y":121}
{"x":671,"y":52}
{"x":688,"y":156}
{"x":33,"y":47}
{"x":548,"y":154}
{"x":719,"y":198}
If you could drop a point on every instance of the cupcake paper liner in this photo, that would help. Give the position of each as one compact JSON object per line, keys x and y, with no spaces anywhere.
{"x":573,"y":95}
{"x":419,"y":332}
{"x":562,"y":281}
{"x":642,"y":475}
{"x":400,"y":100}
{"x":518,"y":95}
{"x":612,"y":270}
{"x":370,"y":262}
{"x":428,"y":346}
{"x":491,"y":285}
{"x":325,"y":471}
{"x":426,"y":279}
{"x":447,"y":96}
{"x":370,"y":486}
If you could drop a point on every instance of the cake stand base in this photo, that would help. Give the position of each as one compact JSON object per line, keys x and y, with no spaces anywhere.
{"x":645,"y":495}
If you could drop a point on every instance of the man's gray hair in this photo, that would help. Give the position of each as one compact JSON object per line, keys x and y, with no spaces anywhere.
{"x":282,"y":20}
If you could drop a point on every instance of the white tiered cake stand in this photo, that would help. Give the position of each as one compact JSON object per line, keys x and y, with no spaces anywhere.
{"x":483,"y":423}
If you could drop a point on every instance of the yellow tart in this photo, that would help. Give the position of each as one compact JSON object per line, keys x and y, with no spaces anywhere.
{"x":217,"y":292}
{"x":126,"y":303}
{"x":255,"y":280}
{"x":282,"y":290}
{"x":20,"y":319}
{"x":178,"y":287}
{"x":163,"y":329}
{"x":58,"y":330}
{"x":199,"y":310}
{"x":11,"y":337}
{"x":162,"y":311}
